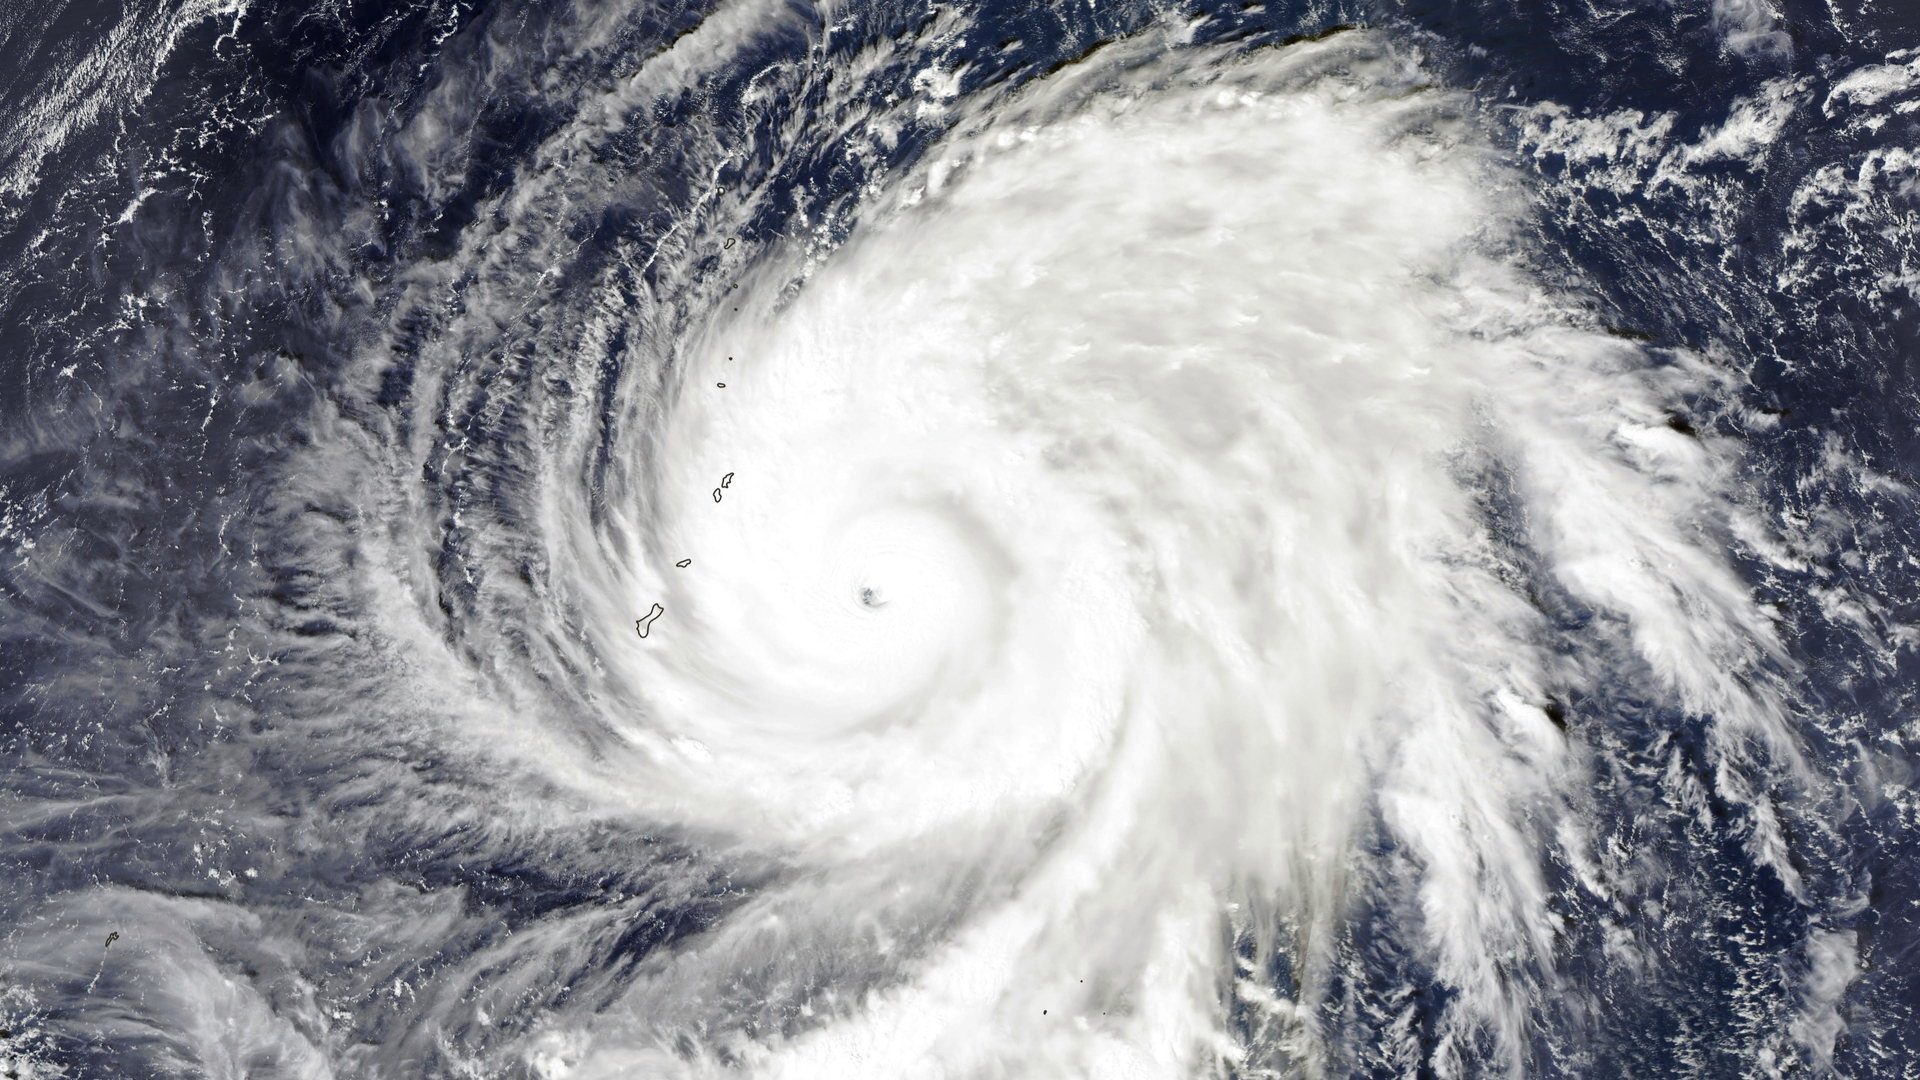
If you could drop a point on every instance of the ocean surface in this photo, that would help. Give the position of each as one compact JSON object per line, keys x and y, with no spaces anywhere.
{"x":891,"y":539}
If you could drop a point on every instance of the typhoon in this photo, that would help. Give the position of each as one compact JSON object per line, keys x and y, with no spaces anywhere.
{"x":892,"y":541}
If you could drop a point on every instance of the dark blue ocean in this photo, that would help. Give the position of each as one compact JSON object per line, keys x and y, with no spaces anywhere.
{"x":1083,"y":538}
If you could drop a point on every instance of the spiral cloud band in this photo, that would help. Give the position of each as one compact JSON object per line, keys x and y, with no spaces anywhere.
{"x":887,"y":541}
{"x":1156,"y":481}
